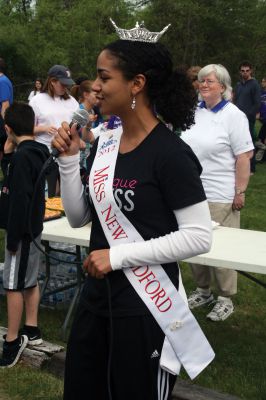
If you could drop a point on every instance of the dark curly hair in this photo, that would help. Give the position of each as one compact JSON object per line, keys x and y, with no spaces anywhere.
{"x":170,"y":92}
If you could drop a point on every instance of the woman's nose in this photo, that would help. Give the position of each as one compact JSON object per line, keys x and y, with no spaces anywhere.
{"x":95,"y":86}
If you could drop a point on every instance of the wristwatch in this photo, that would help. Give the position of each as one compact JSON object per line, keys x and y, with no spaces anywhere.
{"x":239,"y":191}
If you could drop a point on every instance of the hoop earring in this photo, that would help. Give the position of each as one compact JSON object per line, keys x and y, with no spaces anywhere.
{"x":133,"y":104}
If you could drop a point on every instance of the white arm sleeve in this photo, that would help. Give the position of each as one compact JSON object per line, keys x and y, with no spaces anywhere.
{"x":193,"y":237}
{"x":72,"y":191}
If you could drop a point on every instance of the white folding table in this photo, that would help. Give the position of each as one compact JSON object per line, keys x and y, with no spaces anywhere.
{"x":59,"y":230}
{"x":239,"y":249}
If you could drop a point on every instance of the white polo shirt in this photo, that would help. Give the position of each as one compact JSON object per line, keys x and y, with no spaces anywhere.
{"x":218,"y":136}
{"x":52,"y":112}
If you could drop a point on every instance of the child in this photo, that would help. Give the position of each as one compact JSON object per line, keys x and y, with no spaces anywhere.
{"x":21,"y":255}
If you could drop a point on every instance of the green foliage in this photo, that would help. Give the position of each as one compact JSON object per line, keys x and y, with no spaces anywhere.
{"x":55,"y":32}
{"x":37,"y":34}
{"x":208,"y":31}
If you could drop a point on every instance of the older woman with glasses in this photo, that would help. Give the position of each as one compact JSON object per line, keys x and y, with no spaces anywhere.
{"x":221,"y":140}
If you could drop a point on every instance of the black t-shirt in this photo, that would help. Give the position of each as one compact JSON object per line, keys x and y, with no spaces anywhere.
{"x":157,"y":177}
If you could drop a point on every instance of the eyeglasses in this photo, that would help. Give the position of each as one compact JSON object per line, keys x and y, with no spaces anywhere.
{"x":244,"y":70}
{"x":207,"y":82}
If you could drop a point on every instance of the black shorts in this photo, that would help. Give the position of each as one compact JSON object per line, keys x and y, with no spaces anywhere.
{"x":135,"y":369}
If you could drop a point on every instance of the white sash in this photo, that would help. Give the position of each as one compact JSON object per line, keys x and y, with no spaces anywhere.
{"x":185,"y":342}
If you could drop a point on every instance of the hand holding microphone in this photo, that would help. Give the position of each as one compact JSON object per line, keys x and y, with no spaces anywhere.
{"x":67,"y":140}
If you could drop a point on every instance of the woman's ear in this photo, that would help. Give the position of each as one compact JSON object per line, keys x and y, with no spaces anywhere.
{"x":8,"y":130}
{"x":10,"y":134}
{"x":138,"y":84}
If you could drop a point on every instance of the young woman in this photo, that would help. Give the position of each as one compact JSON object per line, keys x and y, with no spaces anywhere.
{"x":51,"y":107}
{"x":148,"y":208}
{"x":84,"y":94}
{"x":37,"y":88}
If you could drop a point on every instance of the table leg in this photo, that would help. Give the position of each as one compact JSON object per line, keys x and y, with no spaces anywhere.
{"x":47,"y":268}
{"x":80,"y":276}
{"x":252,"y":278}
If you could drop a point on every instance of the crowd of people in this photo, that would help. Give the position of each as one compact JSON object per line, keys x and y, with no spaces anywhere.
{"x":151,"y":195}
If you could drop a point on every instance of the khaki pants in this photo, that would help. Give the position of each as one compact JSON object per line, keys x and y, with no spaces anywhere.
{"x":225,"y":279}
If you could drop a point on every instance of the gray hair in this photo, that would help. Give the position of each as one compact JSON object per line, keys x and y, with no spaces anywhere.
{"x":222,"y":76}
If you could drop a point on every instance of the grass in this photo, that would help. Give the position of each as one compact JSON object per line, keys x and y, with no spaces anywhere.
{"x":239,"y":342}
{"x":21,"y":383}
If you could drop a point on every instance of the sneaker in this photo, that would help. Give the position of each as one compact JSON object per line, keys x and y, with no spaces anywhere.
{"x":259,"y":155}
{"x":260,"y":145}
{"x":12,"y":353}
{"x":33,"y":334}
{"x":223,"y":309}
{"x":197,"y":299}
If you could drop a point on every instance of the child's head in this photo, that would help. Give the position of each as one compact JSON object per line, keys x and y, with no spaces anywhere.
{"x":19,"y":118}
{"x":263,"y":83}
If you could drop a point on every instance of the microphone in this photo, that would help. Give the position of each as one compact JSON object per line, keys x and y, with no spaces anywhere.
{"x":81,"y":118}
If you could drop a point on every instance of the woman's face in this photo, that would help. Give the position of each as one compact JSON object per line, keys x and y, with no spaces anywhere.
{"x":91,"y":98}
{"x":38,"y":85}
{"x":211,"y":89}
{"x":195,"y":83}
{"x":113,"y":91}
{"x":59,"y":88}
{"x":263,"y":83}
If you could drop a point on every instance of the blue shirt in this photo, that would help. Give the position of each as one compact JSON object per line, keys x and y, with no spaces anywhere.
{"x":6,"y":90}
{"x":247,"y":97}
{"x":263,"y":106}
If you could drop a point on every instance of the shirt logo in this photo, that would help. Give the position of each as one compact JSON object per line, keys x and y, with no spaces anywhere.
{"x":155,"y":354}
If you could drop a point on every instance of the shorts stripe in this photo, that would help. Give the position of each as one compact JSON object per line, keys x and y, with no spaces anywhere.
{"x":11,"y":282}
{"x":21,"y":269}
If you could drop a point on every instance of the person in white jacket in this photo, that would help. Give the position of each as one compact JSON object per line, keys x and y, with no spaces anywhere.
{"x":38,"y":84}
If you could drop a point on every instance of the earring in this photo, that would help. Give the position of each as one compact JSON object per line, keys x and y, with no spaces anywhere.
{"x":133,"y":104}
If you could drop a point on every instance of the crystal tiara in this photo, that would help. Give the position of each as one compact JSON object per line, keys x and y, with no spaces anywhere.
{"x":139,"y":33}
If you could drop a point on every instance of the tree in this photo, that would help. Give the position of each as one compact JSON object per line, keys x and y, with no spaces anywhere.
{"x":38,"y":34}
{"x":210,"y":31}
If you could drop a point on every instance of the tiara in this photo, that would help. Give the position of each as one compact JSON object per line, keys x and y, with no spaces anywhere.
{"x":139,"y":33}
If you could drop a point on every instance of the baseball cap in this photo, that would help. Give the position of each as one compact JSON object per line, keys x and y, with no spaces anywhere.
{"x":61,"y":73}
